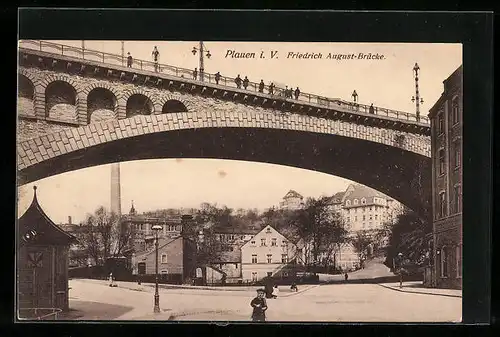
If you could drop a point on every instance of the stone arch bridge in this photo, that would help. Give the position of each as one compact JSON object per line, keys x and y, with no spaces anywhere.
{"x":75,"y":113}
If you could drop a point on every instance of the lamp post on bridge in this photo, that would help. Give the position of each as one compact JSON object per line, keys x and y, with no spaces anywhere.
{"x":156,"y":308}
{"x":416,"y":99}
{"x":201,"y":49}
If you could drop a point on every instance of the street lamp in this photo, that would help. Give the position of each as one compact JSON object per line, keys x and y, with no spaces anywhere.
{"x":416,"y":99}
{"x":202,"y":50}
{"x":400,"y":258}
{"x":156,"y":309}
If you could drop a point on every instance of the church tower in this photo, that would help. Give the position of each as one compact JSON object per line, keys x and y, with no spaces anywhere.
{"x":115,"y":189}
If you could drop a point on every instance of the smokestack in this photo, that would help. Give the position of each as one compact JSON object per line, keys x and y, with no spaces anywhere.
{"x":69,"y":220}
{"x":115,"y":189}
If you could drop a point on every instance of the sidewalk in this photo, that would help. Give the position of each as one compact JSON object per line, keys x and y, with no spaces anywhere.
{"x":284,"y":290}
{"x":418,"y":288}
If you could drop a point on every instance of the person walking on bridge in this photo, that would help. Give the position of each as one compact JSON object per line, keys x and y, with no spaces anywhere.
{"x":261,"y":86}
{"x":297,"y":93}
{"x":217,"y":78}
{"x":129,"y":60}
{"x":156,"y":56}
{"x":195,"y":73}
{"x":237,"y":80}
{"x":271,"y":89}
{"x":245,"y":82}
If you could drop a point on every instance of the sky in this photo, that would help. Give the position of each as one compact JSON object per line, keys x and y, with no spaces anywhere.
{"x":152,"y":184}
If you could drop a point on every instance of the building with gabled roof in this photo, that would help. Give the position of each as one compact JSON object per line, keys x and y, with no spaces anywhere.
{"x":267,"y":254}
{"x":292,"y":200}
{"x":42,"y":262}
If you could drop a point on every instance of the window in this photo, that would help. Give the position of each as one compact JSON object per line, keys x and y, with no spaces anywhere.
{"x":457,"y":197}
{"x":262,"y":242}
{"x":269,"y":258}
{"x":163,"y":258}
{"x":376,"y":216}
{"x":364,"y":218}
{"x":442,"y":204}
{"x":440,"y":123}
{"x":284,"y":243}
{"x":268,"y":230}
{"x":455,"y":111}
{"x":458,"y":258}
{"x":274,"y":242}
{"x":252,"y":242}
{"x":254,"y":276}
{"x":355,"y":201}
{"x":254,"y":258}
{"x":348,"y":203}
{"x":441,"y":161}
{"x":164,"y":271}
{"x":370,"y":208}
{"x":444,"y":262}
{"x":284,"y":258}
{"x":363,"y":201}
{"x":370,"y":217}
{"x":458,"y":157}
{"x":355,"y":218}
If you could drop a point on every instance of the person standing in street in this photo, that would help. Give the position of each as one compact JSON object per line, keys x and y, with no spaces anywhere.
{"x":259,"y":306}
{"x":156,"y":57}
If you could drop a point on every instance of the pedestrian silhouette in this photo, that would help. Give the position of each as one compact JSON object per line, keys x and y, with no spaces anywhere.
{"x":297,"y":93}
{"x":237,"y":80}
{"x":156,"y":55}
{"x":261,"y":86}
{"x":259,"y":306}
{"x":271,"y":89}
{"x":195,"y":73}
{"x":372,"y":110}
{"x":217,"y":78}
{"x":129,"y":60}
{"x":245,"y":82}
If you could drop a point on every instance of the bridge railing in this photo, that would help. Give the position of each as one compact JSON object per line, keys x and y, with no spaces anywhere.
{"x":118,"y":60}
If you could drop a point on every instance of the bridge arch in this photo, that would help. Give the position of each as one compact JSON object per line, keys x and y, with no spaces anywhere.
{"x":138,"y":102}
{"x":26,"y":95}
{"x":61,"y":97}
{"x":172,"y":103}
{"x":102,"y":102}
{"x":402,"y":174}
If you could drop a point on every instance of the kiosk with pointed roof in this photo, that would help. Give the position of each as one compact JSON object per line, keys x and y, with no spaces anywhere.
{"x":42,"y":262}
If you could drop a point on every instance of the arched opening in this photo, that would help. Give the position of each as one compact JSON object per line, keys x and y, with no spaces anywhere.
{"x":60,"y":101}
{"x":139,"y":104}
{"x":173,"y":105}
{"x":101,"y":105}
{"x":25,"y":96}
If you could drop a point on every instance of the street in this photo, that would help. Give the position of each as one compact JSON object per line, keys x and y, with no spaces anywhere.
{"x":324,"y":303}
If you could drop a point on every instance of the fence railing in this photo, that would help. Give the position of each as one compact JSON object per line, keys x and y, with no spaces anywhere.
{"x":118,"y":60}
{"x":39,"y":314}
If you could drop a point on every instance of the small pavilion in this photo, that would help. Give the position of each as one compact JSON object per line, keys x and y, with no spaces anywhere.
{"x":42,"y":263}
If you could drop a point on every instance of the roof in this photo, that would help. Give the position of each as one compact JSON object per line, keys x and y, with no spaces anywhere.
{"x":47,"y":232}
{"x":449,"y":81}
{"x":263,"y":228}
{"x":292,"y":194}
{"x":359,"y":192}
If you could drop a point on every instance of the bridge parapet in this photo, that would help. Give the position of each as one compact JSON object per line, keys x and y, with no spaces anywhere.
{"x":182,"y":79}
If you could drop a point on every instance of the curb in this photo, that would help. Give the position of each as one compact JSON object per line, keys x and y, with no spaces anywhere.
{"x":417,"y":292}
{"x":173,"y":316}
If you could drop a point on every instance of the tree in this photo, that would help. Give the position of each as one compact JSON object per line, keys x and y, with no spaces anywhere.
{"x":411,"y":236}
{"x":219,"y":216}
{"x":320,"y":228}
{"x":361,"y":241}
{"x":102,"y":236}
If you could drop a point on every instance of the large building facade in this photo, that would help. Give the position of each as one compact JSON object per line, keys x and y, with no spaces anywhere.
{"x":446,"y":136}
{"x":292,"y":201}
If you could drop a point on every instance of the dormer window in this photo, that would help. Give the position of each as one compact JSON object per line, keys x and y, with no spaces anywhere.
{"x":355,"y":201}
{"x":348,"y":203}
{"x":363,"y":201}
{"x":268,"y":230}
